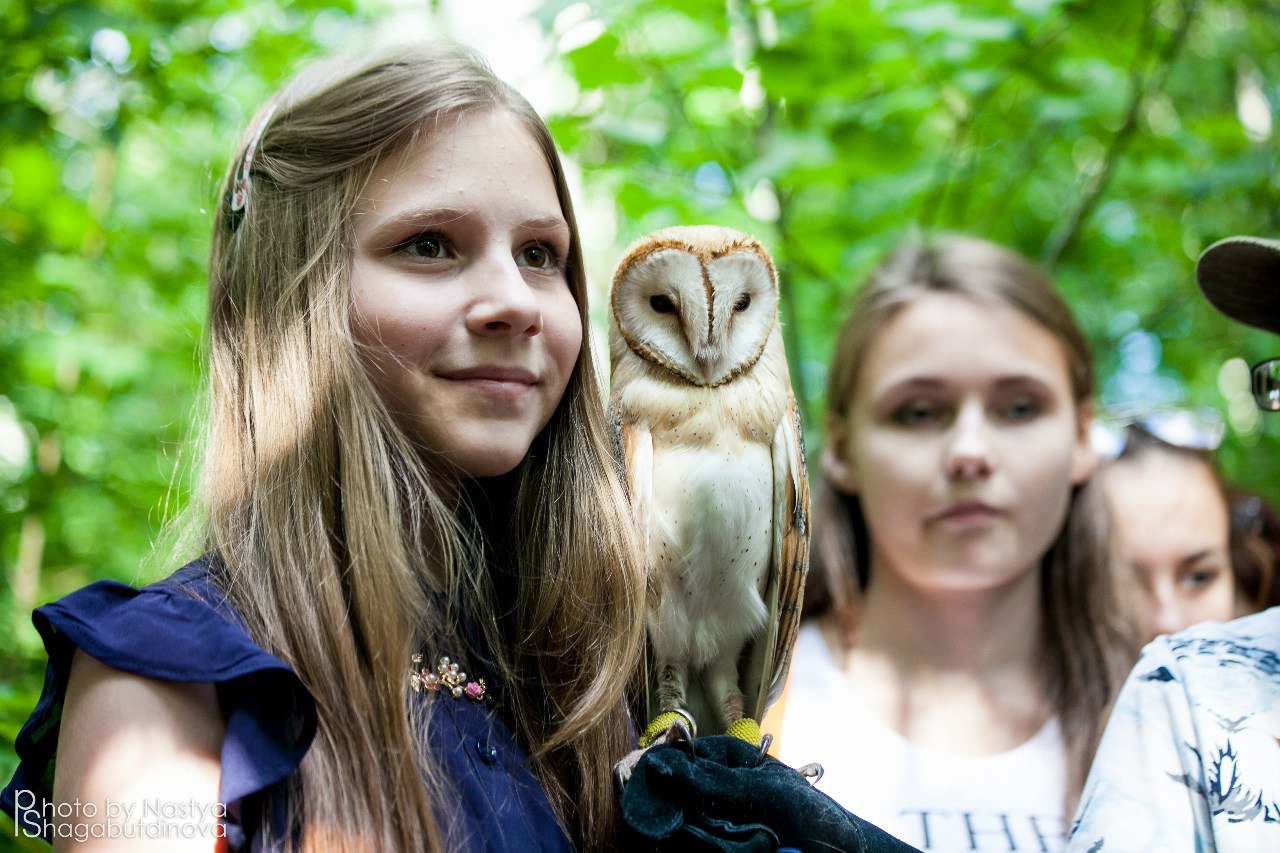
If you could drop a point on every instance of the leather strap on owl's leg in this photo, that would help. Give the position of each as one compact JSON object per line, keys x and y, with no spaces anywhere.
{"x":659,"y":725}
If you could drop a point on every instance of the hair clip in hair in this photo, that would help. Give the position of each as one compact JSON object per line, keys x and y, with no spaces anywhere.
{"x":448,"y":677}
{"x":238,"y":196}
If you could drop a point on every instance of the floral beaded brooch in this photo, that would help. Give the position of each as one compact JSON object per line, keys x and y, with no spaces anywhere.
{"x":448,"y":677}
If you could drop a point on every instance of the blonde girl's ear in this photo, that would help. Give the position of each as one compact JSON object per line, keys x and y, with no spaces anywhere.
{"x":1084,"y":459}
{"x":837,"y":467}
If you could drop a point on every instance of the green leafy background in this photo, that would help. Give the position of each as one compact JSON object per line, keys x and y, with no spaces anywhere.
{"x":1110,"y":141}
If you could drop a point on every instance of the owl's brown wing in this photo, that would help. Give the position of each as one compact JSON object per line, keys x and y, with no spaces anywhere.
{"x":771,"y":657}
{"x":634,"y":444}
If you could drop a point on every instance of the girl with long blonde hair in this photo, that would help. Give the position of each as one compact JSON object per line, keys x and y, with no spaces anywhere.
{"x":419,"y":589}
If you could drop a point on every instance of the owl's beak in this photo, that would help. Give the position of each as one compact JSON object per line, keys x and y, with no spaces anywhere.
{"x":707,"y":361}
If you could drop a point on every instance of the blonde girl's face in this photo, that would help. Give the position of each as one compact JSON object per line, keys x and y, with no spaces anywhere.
{"x":962,"y":441}
{"x":1172,"y":527}
{"x":459,"y":295}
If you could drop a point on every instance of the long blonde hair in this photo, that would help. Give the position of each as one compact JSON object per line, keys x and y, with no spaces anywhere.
{"x":1086,"y":641}
{"x":342,"y":548}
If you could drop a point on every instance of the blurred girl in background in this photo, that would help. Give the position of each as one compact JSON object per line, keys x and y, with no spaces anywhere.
{"x":964,"y":639}
{"x":1195,"y":549}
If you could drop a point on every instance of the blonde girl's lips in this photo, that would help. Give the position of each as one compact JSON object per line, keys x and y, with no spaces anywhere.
{"x":503,"y":383}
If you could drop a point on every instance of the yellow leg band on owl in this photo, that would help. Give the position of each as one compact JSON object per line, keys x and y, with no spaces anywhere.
{"x":745,"y":729}
{"x":658,"y":726}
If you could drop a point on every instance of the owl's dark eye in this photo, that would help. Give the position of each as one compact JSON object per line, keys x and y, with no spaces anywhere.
{"x":662,"y":304}
{"x":743,"y":302}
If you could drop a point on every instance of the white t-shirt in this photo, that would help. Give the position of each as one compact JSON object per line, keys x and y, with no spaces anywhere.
{"x":1010,"y":802}
{"x":1190,"y":759}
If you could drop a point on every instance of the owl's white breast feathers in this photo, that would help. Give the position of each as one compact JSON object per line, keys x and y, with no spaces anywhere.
{"x":710,"y":540}
{"x":708,"y":497}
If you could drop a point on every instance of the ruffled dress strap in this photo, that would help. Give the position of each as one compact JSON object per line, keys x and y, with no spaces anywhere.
{"x":180,"y":629}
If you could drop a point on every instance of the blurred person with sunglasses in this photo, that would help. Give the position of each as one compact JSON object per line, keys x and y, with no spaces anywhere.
{"x":1194,"y":545}
{"x":1190,"y":759}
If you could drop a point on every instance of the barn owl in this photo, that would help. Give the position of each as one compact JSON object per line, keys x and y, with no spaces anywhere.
{"x":711,"y":439}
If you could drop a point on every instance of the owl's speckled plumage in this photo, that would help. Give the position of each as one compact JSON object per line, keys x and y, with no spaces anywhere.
{"x":715,"y":466}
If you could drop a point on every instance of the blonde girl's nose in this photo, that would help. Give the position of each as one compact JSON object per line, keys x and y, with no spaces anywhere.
{"x":504,"y":303}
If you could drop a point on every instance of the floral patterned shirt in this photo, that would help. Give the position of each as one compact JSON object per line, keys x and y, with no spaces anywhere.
{"x":1190,"y":759}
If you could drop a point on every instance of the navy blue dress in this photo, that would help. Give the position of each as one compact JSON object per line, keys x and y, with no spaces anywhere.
{"x":183,"y":629}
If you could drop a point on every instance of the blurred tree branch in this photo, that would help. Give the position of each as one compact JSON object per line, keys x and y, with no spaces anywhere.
{"x":1142,"y":85}
{"x":943,"y":184}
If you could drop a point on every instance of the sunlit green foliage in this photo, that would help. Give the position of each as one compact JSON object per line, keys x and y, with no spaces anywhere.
{"x":116,"y":122}
{"x":1111,"y":141}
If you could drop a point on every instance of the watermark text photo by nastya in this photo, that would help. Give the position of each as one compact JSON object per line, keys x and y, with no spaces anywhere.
{"x":150,"y":819}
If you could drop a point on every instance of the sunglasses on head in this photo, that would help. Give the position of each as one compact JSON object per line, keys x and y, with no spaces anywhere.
{"x":1192,"y":429}
{"x":1266,"y":385}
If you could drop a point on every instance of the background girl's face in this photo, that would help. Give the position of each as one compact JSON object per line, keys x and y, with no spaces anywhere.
{"x":459,"y":292}
{"x":1172,"y":527}
{"x":962,"y":441}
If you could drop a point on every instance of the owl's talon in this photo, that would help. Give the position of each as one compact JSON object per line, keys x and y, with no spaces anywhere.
{"x":679,"y":736}
{"x":623,"y":769}
{"x":766,"y":741}
{"x":661,"y":724}
{"x":690,"y":725}
{"x":812,"y":771}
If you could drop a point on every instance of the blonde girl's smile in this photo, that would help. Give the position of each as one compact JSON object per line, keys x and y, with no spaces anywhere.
{"x":503,"y":384}
{"x":459,"y":291}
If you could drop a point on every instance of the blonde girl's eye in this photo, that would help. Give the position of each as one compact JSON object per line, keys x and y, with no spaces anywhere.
{"x":538,"y":256}
{"x":427,"y":246}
